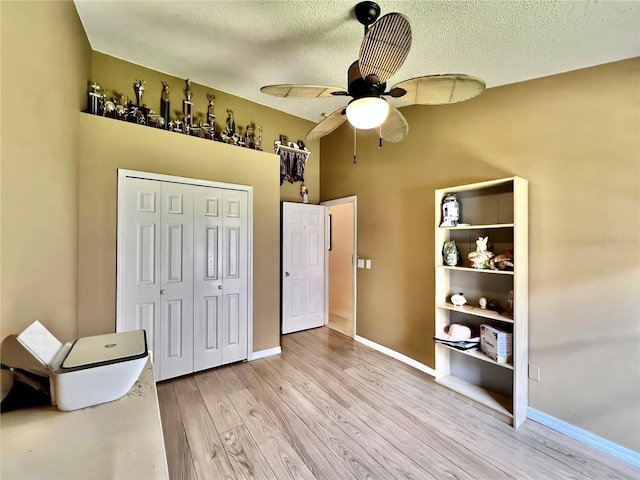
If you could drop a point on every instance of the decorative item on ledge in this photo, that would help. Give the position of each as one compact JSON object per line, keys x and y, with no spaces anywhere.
{"x":304,"y":193}
{"x":481,"y":257}
{"x":121,"y":108}
{"x":293,"y":159}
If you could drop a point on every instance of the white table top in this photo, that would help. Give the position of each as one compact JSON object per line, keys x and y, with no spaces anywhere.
{"x":121,"y":439}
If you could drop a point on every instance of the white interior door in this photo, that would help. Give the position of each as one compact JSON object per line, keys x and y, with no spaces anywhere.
{"x":176,"y":289}
{"x":303,"y":266}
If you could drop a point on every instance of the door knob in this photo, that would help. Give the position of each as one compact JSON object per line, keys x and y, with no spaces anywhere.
{"x":286,"y":274}
{"x":161,"y":292}
{"x":219,"y":287}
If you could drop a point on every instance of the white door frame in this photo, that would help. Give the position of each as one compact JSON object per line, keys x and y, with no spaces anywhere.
{"x":330,"y":203}
{"x":123,"y":174}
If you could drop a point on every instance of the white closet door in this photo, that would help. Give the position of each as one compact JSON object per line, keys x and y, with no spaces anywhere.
{"x":235,"y":266}
{"x":176,"y":289}
{"x":184,"y":275}
{"x":208,"y":295}
{"x":141,"y":261}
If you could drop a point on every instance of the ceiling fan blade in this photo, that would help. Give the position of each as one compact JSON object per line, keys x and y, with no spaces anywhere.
{"x":441,"y":89}
{"x":328,"y":125}
{"x":395,"y":128}
{"x":302,"y":91}
{"x":385,"y":47}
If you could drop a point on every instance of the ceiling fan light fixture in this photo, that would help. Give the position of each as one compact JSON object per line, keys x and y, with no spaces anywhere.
{"x":367,"y":112}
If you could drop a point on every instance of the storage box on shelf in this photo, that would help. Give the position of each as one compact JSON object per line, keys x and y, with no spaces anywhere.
{"x":496,"y":209}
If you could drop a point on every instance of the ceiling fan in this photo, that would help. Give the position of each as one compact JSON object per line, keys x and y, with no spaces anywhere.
{"x":384,"y":49}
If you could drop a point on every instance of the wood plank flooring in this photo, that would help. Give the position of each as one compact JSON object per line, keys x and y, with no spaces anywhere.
{"x":340,"y":324}
{"x":331,"y":408}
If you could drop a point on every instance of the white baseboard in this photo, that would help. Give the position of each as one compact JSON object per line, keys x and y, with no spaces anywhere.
{"x":397,"y":355}
{"x":265,"y":353}
{"x":623,"y":453}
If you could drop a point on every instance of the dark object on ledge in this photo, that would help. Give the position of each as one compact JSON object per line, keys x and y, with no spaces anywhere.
{"x":502,"y":261}
{"x":492,"y":304}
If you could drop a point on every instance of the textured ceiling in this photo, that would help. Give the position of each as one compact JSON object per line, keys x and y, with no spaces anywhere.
{"x":238,"y":46}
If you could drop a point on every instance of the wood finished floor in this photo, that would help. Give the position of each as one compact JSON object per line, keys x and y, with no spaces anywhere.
{"x":331,"y":408}
{"x":340,"y":324}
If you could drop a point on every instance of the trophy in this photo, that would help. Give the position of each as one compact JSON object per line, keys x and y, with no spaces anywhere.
{"x":229,"y":135}
{"x":259,"y":138}
{"x":108,"y":106}
{"x":211,"y":118}
{"x":187,"y":105}
{"x":138,"y":89}
{"x":94,"y":99}
{"x":248,"y":137}
{"x":121,"y":108}
{"x":141,"y":112}
{"x":165,"y":105}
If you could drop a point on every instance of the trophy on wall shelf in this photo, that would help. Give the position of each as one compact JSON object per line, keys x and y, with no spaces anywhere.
{"x":165,"y":105}
{"x":138,"y":89}
{"x":229,"y":135}
{"x":258,"y":145}
{"x":187,"y":106}
{"x":211,"y":118}
{"x":94,"y":99}
{"x":248,"y":137}
{"x":141,"y":111}
{"x":108,"y":105}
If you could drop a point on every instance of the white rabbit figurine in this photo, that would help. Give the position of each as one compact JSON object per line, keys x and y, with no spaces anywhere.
{"x":481,"y":257}
{"x":481,"y":244}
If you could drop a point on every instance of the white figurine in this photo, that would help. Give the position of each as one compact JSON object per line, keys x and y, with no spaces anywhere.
{"x":450,"y":211}
{"x":481,"y":257}
{"x":458,"y":299}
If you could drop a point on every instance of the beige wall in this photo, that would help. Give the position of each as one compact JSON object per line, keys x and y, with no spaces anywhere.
{"x":576,"y":138}
{"x":340,"y":261}
{"x":117,"y":76}
{"x":105,"y":146}
{"x":45,"y":62}
{"x":108,"y":144}
{"x":59,"y":272}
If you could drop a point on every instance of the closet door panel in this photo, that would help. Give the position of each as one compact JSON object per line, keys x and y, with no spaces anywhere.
{"x":176,"y":290}
{"x":235,"y":276}
{"x":140,"y":265}
{"x":208,"y":288}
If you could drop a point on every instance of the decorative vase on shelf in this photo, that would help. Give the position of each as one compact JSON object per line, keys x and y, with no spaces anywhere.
{"x":451,"y":254}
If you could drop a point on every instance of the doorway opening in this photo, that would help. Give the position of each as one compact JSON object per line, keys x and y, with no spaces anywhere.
{"x":341,"y":264}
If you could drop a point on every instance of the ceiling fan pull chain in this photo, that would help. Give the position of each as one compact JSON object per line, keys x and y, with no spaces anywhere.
{"x":354,"y":144}
{"x":380,"y":136}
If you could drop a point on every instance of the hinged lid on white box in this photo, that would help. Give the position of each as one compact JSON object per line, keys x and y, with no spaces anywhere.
{"x":98,"y":350}
{"x":91,"y":370}
{"x":86,"y":352}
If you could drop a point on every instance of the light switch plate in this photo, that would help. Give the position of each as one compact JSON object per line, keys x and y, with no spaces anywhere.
{"x":367,"y":263}
{"x":360,"y":263}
